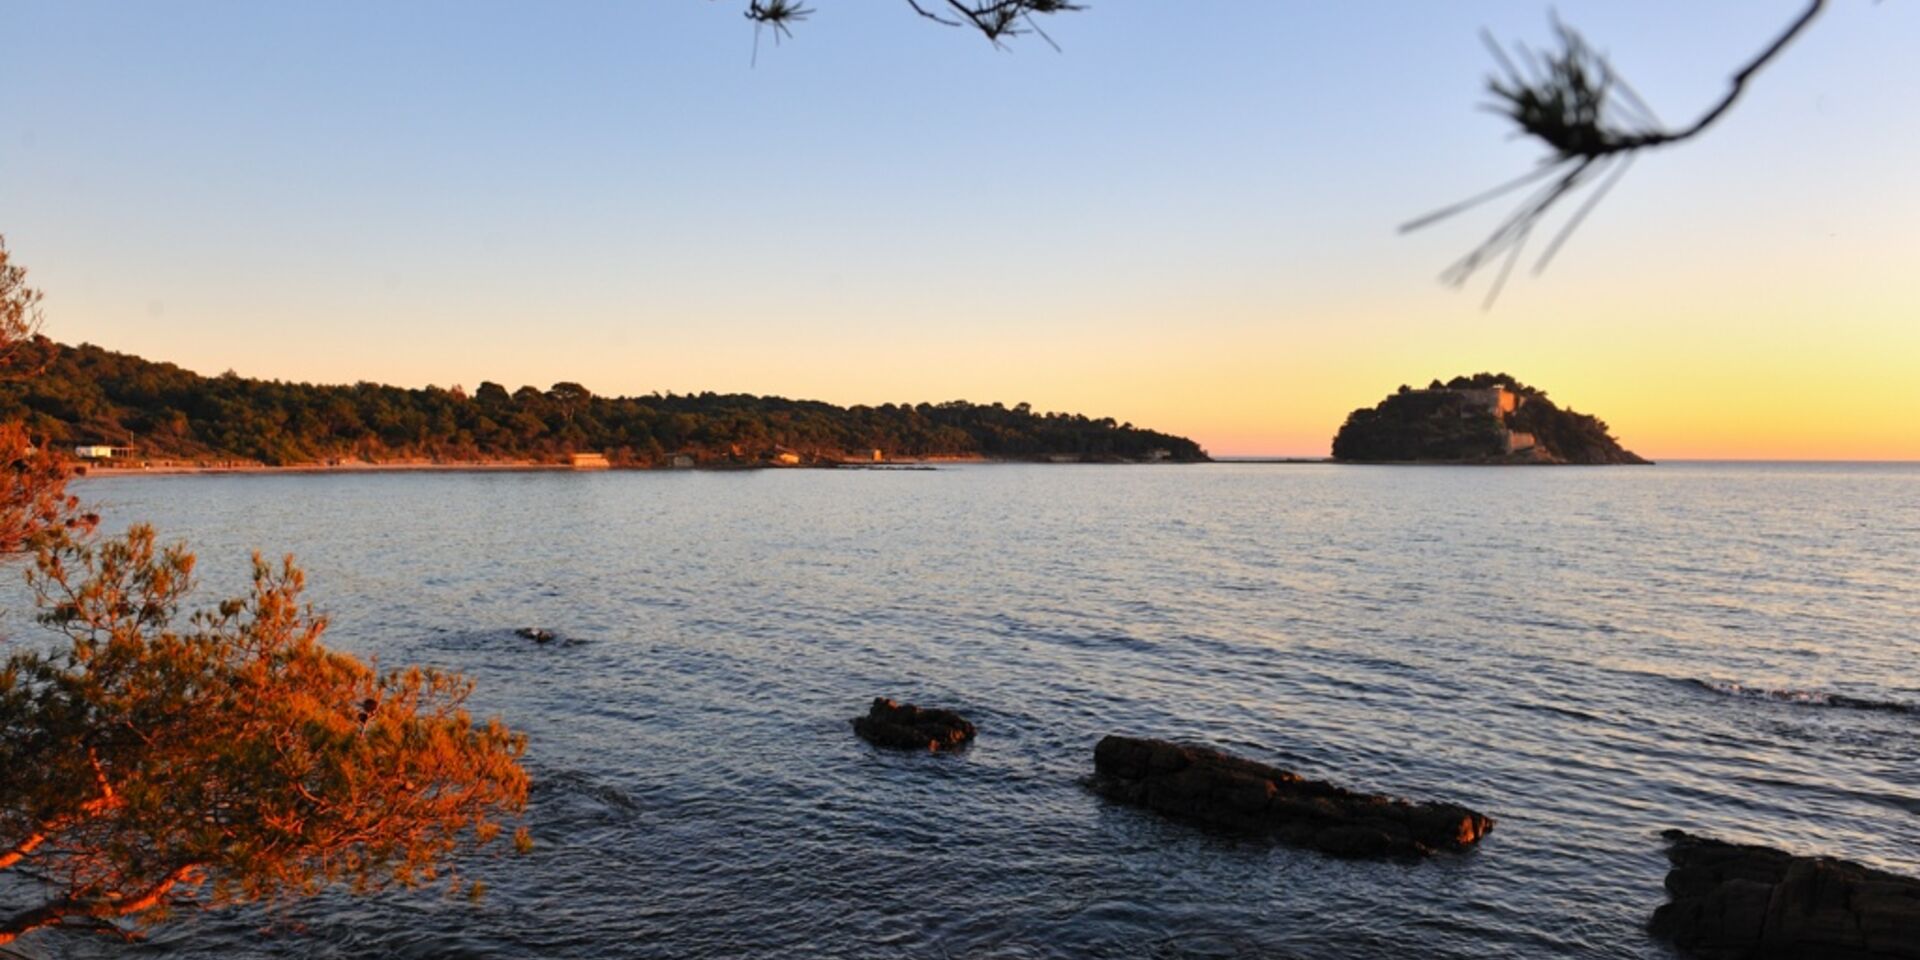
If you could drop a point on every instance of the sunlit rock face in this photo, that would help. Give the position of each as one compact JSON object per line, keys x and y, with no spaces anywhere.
{"x":1737,"y":902}
{"x":903,"y":726}
{"x":1194,"y":783}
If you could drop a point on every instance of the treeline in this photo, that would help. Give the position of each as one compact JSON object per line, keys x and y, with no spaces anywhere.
{"x":89,"y":395}
{"x":1436,"y":424}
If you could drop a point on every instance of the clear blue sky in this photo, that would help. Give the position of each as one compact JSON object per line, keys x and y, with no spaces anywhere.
{"x":1186,"y":219}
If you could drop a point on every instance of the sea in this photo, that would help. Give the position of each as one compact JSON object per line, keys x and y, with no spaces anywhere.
{"x":1589,"y":655}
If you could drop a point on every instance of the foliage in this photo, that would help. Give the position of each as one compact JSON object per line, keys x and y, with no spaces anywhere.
{"x":33,"y":480}
{"x":1593,"y":123}
{"x":19,"y":307}
{"x":229,"y":753}
{"x":1420,"y":425}
{"x":90,"y":395}
{"x":1441,"y":424}
{"x":997,"y":20}
{"x":1572,"y":101}
{"x":33,"y":492}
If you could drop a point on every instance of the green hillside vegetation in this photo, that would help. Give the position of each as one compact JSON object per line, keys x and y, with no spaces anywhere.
{"x":89,"y":395}
{"x":1439,"y":425}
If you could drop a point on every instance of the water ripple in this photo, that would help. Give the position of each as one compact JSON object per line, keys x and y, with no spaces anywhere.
{"x":1550,"y":646}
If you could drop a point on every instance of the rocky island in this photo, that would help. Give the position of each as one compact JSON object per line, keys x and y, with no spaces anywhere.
{"x":1487,"y":418}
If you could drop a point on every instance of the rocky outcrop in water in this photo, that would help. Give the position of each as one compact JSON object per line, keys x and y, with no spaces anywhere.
{"x":1483,"y":419}
{"x":536,"y":634}
{"x":903,"y":726}
{"x":1736,"y":902}
{"x":1194,"y":783}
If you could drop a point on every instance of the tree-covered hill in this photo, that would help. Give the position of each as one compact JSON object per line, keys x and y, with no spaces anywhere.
{"x":89,"y":395}
{"x":1453,"y":422}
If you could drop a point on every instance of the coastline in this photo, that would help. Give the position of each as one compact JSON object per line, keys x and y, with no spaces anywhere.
{"x":89,"y":471}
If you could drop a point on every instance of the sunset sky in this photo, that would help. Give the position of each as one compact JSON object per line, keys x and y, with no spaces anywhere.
{"x":1186,"y":219}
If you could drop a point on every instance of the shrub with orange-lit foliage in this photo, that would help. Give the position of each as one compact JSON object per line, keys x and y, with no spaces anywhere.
{"x":227,"y":753}
{"x":33,"y":492}
{"x":19,"y":307}
{"x":33,"y":480}
{"x":225,"y":756}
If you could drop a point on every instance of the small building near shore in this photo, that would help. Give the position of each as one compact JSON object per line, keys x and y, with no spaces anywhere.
{"x":590,"y":461}
{"x":879,"y":456}
{"x":787,"y":458}
{"x":101,"y":451}
{"x":680,"y":461}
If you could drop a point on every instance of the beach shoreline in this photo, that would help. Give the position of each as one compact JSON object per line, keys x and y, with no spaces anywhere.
{"x":89,"y":471}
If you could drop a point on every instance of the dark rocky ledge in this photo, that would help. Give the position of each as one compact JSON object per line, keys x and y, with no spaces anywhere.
{"x":1194,"y":783}
{"x":1736,"y":902}
{"x":903,"y":726}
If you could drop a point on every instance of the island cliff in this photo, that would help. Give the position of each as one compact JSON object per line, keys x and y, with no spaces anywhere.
{"x":1485,"y":418}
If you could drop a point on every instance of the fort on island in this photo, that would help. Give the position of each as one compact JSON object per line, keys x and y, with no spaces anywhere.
{"x":1498,"y":401}
{"x":1483,"y":419}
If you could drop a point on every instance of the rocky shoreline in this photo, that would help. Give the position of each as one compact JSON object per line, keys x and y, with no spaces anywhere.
{"x":1740,"y":902}
{"x":1727,"y":901}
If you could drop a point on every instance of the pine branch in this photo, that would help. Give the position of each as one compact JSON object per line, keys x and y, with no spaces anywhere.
{"x":1576,"y":103}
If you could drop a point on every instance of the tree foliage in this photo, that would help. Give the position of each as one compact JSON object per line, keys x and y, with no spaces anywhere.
{"x":1570,"y":100}
{"x":33,"y":480}
{"x":90,"y":395}
{"x":227,"y":751}
{"x":221,"y":756}
{"x":1593,"y":124}
{"x":19,"y":309}
{"x":997,"y":20}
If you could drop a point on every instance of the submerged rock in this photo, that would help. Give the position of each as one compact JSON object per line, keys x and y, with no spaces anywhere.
{"x":536,"y":634}
{"x":903,"y":726}
{"x":1195,"y":783}
{"x":1738,"y":902}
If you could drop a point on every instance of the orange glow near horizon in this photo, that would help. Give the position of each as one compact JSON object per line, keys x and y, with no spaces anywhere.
{"x":1810,"y":376}
{"x":1209,"y":251}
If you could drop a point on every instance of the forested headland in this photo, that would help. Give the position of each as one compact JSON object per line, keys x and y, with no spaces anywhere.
{"x":86,"y":395}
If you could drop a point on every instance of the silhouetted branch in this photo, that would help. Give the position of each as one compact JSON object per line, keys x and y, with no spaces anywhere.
{"x":778,"y":14}
{"x":999,"y":18}
{"x":781,"y":15}
{"x":995,"y":19}
{"x":1577,"y":104}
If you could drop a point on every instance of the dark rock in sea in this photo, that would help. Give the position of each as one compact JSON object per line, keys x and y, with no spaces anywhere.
{"x":1195,"y":783}
{"x":536,"y":634}
{"x":1737,"y":902}
{"x":903,"y":726}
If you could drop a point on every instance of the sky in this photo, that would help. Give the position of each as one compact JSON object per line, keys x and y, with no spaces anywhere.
{"x":1185,"y":218}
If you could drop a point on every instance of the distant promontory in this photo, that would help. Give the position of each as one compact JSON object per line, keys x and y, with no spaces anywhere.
{"x":1485,"y":418}
{"x":121,"y":409}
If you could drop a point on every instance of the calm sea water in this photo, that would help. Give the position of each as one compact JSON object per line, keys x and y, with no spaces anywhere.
{"x":1589,"y":655}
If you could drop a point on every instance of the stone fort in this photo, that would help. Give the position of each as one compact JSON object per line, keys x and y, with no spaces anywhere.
{"x":1496,"y":400}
